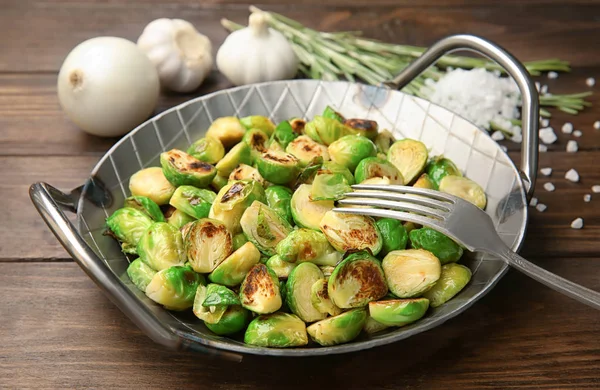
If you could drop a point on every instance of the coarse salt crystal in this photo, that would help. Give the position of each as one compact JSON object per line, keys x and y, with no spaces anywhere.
{"x":547,"y":135}
{"x":590,"y":81}
{"x":544,"y":89}
{"x":504,"y":148}
{"x":577,"y":133}
{"x":497,"y":136}
{"x":541,"y":207}
{"x":572,"y":146}
{"x":545,"y":122}
{"x":596,"y":189}
{"x":587,"y":197}
{"x":567,"y":128}
{"x":552,"y":75}
{"x":517,"y":138}
{"x":546,"y":171}
{"x":533,"y":202}
{"x":597,"y":125}
{"x":549,"y":187}
{"x":542,"y":148}
{"x":572,"y":175}
{"x":577,"y":223}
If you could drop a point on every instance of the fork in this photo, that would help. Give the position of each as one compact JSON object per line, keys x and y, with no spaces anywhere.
{"x":460,"y":220}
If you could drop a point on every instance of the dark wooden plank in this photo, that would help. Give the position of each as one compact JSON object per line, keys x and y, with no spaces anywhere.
{"x":62,"y":332}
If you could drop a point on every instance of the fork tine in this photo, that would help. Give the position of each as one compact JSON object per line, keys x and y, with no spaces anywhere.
{"x":395,"y":205}
{"x":407,"y":190}
{"x":399,"y":215}
{"x":423,"y":201}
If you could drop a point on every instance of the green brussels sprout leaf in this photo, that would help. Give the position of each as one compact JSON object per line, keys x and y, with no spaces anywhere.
{"x":140,"y":274}
{"x":193,"y":201}
{"x":145,"y":205}
{"x":278,"y":330}
{"x":233,"y":320}
{"x":217,"y":295}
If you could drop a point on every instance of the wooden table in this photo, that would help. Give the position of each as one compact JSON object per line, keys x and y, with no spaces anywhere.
{"x":58,"y":330}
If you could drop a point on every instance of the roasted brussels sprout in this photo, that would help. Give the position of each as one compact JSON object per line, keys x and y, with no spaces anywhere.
{"x":152,"y":183}
{"x":308,"y":173}
{"x":330,"y":113}
{"x":378,"y":181}
{"x":260,"y":290}
{"x":217,"y":295}
{"x":278,"y":330}
{"x":145,"y":205}
{"x":333,"y":168}
{"x":446,"y":250}
{"x":140,"y":274}
{"x":233,"y":200}
{"x":305,"y":150}
{"x":239,"y":154}
{"x":329,"y":186}
{"x":179,"y":218}
{"x":464,"y":188}
{"x":298,"y":125}
{"x":375,"y":167}
{"x":284,"y":134}
{"x":305,"y":245}
{"x":327,"y":270}
{"x":398,"y":312}
{"x":409,"y":156}
{"x":193,"y":201}
{"x":182,"y":169}
{"x":372,"y":326}
{"x":340,"y":329}
{"x":281,"y":268}
{"x":356,"y":281}
{"x":233,"y":269}
{"x":364,"y":127}
{"x":319,"y":297}
{"x":453,"y":279}
{"x":246,"y":172}
{"x":174,"y":287}
{"x":207,"y":244}
{"x":128,"y":225}
{"x":208,"y":314}
{"x":219,"y":182}
{"x":384,"y":140}
{"x":161,"y":246}
{"x":409,"y":273}
{"x":306,"y":213}
{"x":326,"y":130}
{"x":299,"y":286}
{"x":279,"y":199}
{"x":207,"y":149}
{"x":350,"y":150}
{"x":264,"y":227}
{"x":424,"y":181}
{"x":258,"y":122}
{"x":278,"y":167}
{"x":393,"y":234}
{"x":351,"y":232}
{"x":257,"y":141}
{"x":440,"y":167}
{"x":227,"y":129}
{"x":239,"y":240}
{"x":233,"y":320}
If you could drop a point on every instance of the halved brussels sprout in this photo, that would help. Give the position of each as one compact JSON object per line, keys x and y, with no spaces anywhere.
{"x":308,"y":173}
{"x":409,"y":156}
{"x":239,"y":154}
{"x":264,"y":227}
{"x":278,"y":330}
{"x":398,"y":312}
{"x":384,"y":140}
{"x":128,"y":225}
{"x":281,"y":268}
{"x":140,"y":274}
{"x":258,"y":122}
{"x":257,"y":141}
{"x":152,"y":183}
{"x":424,"y":181}
{"x":453,"y":279}
{"x":233,"y":269}
{"x":174,"y":287}
{"x":365,"y":127}
{"x":207,"y":149}
{"x":208,"y":314}
{"x":393,"y":234}
{"x":182,"y":169}
{"x":232,"y":321}
{"x":330,"y":113}
{"x":327,"y":270}
{"x":298,"y":125}
{"x":326,"y":130}
{"x":446,"y":250}
{"x":305,"y":149}
{"x":227,"y":129}
{"x":299,"y":286}
{"x":233,"y":200}
{"x":319,"y":297}
{"x":331,"y":167}
{"x":350,"y":150}
{"x":161,"y":246}
{"x":278,"y":167}
{"x":351,"y":232}
{"x":376,"y":180}
{"x":179,"y":218}
{"x":411,"y":272}
{"x":371,"y":167}
{"x":329,"y":186}
{"x":145,"y":205}
{"x":464,"y":188}
{"x":279,"y":199}
{"x":193,"y":201}
{"x":217,"y":295}
{"x":207,"y":244}
{"x":340,"y":329}
{"x":284,"y":134}
{"x":372,"y":326}
{"x":356,"y":281}
{"x":185,"y":229}
{"x":219,"y":182}
{"x":246,"y":172}
{"x":305,"y":245}
{"x":239,"y":240}
{"x":260,"y":290}
{"x":440,"y":167}
{"x":306,"y":213}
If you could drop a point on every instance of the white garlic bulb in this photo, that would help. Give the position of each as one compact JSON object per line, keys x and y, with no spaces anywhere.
{"x":256,"y":54}
{"x":180,"y":53}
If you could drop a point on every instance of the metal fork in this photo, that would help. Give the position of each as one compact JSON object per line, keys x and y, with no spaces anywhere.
{"x":460,"y":220}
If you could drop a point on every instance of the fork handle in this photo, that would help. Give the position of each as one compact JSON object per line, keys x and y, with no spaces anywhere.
{"x":555,"y":282}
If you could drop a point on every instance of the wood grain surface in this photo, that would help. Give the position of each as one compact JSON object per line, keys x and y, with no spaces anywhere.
{"x":57,"y":330}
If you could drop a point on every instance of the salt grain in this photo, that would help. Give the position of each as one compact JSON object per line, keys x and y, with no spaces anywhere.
{"x":552,"y":75}
{"x":541,"y":207}
{"x":549,"y":187}
{"x":577,"y":223}
{"x":497,"y":136}
{"x":572,"y":146}
{"x":542,"y":148}
{"x":544,"y":89}
{"x":504,"y":148}
{"x":518,"y":138}
{"x":533,"y":202}
{"x":597,"y":125}
{"x":572,"y":175}
{"x":547,"y":135}
{"x":546,"y":171}
{"x":587,"y":197}
{"x":567,"y":128}
{"x":596,"y":189}
{"x":590,"y":81}
{"x":545,"y":122}
{"x":577,"y":133}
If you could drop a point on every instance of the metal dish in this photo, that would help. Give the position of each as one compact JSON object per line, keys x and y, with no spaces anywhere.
{"x":470,"y":148}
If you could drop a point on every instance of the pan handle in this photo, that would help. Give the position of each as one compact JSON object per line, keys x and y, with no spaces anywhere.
{"x":50,"y":203}
{"x":529,"y":95}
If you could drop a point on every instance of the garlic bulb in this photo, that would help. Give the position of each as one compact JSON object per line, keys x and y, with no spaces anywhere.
{"x":256,"y":54}
{"x":180,"y":53}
